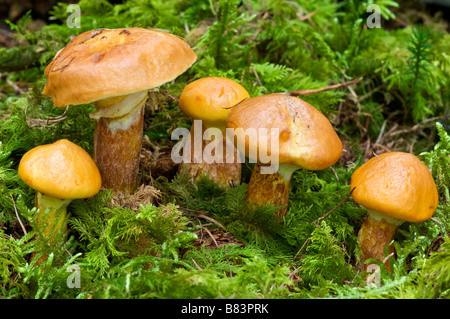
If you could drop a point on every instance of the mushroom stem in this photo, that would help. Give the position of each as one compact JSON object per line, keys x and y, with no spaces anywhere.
{"x":52,"y":213}
{"x":271,"y":188}
{"x":52,"y":217}
{"x":118,"y":140}
{"x":375,"y":234}
{"x":212,"y":158}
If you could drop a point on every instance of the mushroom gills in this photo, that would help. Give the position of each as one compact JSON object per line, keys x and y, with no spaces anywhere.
{"x":286,"y":170}
{"x":118,"y":106}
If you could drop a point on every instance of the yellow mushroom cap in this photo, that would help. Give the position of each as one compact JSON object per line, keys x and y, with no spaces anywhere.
{"x":62,"y":170}
{"x":211,"y":98}
{"x":306,"y":137}
{"x":396,"y":184}
{"x":105,"y":63}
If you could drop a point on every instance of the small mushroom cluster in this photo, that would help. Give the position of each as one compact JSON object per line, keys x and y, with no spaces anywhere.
{"x":113,"y":69}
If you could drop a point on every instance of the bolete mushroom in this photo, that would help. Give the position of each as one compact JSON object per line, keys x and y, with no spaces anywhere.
{"x":394,"y":187}
{"x":209,"y":100}
{"x":114,"y":69}
{"x":287,"y":132}
{"x":59,"y":172}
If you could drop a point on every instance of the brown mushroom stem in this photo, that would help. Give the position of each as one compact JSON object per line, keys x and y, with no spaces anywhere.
{"x":118,"y":141}
{"x":271,"y":188}
{"x":375,"y":234}
{"x":223,"y":169}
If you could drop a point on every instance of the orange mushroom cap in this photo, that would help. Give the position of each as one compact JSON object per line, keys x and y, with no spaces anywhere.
{"x":105,"y":63}
{"x":211,"y":98}
{"x":306,"y":137}
{"x":62,"y":170}
{"x":396,"y":184}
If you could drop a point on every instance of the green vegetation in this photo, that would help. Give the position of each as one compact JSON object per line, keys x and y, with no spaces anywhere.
{"x":159,"y":248}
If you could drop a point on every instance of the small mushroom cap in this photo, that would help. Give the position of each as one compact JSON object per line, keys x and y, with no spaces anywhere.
{"x":396,"y":184}
{"x":104,"y":63}
{"x":211,"y":98}
{"x":62,"y":170}
{"x":306,"y":137}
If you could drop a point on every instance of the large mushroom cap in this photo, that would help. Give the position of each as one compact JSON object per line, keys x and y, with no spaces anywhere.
{"x":104,"y":63}
{"x":397,"y":185}
{"x":62,"y":170}
{"x":306,"y":137}
{"x":211,"y":98}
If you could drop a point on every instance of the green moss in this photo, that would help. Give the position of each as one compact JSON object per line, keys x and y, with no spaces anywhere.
{"x":269,"y":47}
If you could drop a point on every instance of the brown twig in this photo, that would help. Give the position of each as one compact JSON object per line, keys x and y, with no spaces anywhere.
{"x":201,"y":214}
{"x":256,"y":76}
{"x":228,"y":262}
{"x":335,"y":174}
{"x":64,"y":66}
{"x":309,"y":15}
{"x":415,"y":127}
{"x":388,"y":256}
{"x":17,"y":89}
{"x":327,"y":88}
{"x":17,"y":215}
{"x":5,"y":236}
{"x":436,"y":221}
{"x":334,"y":208}
{"x":93,"y":34}
{"x":164,"y":92}
{"x":212,"y":236}
{"x":301,"y":248}
{"x":196,"y":265}
{"x":292,"y":274}
{"x":60,"y":60}
{"x":32,"y":122}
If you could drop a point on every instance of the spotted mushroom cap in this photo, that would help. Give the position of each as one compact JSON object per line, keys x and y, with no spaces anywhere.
{"x":104,"y":63}
{"x":306,"y":137}
{"x":62,"y":170}
{"x":396,"y":184}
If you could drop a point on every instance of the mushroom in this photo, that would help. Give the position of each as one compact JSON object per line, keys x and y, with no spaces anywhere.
{"x":59,"y":172}
{"x":394,"y":187}
{"x":287,"y":132}
{"x":114,"y":69}
{"x":210,"y":99}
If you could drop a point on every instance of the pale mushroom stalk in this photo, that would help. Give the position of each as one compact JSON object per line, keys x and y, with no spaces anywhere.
{"x":118,"y":140}
{"x":51,"y":219}
{"x":53,"y":209}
